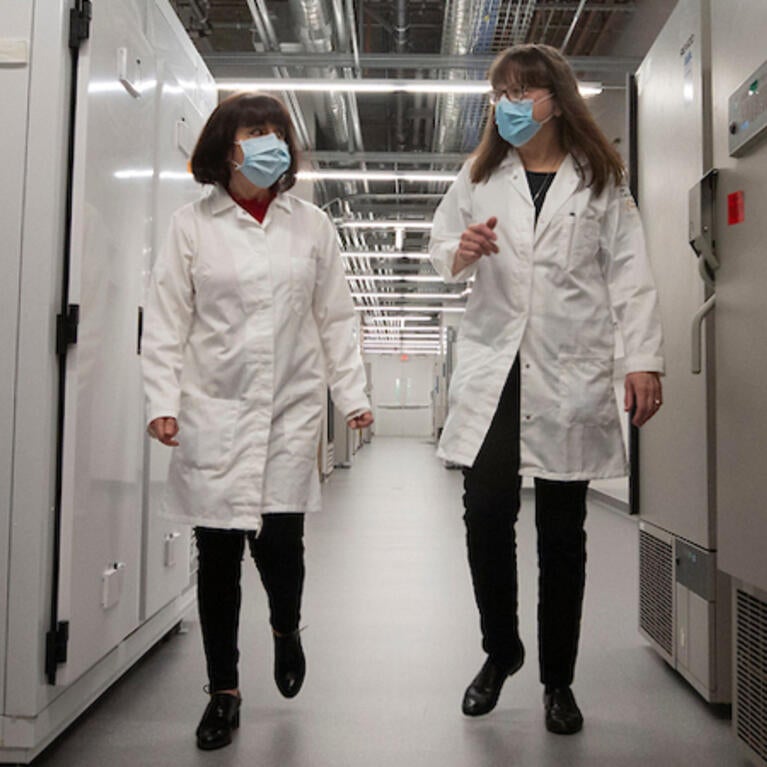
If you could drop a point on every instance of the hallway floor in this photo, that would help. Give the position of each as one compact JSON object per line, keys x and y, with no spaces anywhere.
{"x":392,"y":639}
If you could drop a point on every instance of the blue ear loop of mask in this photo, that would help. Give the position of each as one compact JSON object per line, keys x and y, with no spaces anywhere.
{"x":264,"y":159}
{"x":515,"y":120}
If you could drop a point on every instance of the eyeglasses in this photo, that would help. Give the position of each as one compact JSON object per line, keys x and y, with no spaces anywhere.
{"x":512,"y":94}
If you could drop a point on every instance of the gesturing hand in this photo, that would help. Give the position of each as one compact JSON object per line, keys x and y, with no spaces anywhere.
{"x":643,"y":392}
{"x":476,"y":241}
{"x":164,"y":430}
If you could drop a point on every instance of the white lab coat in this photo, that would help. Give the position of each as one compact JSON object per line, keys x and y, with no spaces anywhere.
{"x":245,"y":326}
{"x":549,"y":294}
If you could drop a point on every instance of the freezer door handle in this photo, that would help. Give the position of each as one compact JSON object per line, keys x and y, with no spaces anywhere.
{"x":697,"y":322}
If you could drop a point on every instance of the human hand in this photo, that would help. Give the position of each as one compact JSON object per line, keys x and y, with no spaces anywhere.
{"x":644,"y":395}
{"x":360,"y":421}
{"x":164,"y":430}
{"x":476,"y":241}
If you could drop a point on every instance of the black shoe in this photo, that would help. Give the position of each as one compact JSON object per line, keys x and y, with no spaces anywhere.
{"x":221,"y":716}
{"x":289,"y":664}
{"x":482,"y":694}
{"x":562,"y":713}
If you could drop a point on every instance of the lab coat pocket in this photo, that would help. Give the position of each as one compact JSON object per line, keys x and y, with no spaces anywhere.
{"x":302,"y":272}
{"x":586,"y":389}
{"x":206,"y":427}
{"x":580,"y":241}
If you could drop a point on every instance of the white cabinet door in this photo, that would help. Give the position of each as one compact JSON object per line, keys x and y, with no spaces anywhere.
{"x":674,"y":152}
{"x":183,"y":105}
{"x":103,"y":429}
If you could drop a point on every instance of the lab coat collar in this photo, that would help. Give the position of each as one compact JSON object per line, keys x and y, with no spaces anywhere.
{"x":220,"y":200}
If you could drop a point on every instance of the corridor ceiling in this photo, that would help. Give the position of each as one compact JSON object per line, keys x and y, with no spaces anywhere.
{"x":384,"y":159}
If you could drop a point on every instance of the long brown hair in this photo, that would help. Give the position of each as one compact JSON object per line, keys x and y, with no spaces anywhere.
{"x":210,"y":159}
{"x":541,"y":66}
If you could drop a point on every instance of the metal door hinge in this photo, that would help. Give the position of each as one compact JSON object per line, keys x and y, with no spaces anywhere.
{"x":80,"y":23}
{"x":66,"y":328}
{"x":56,"y":643}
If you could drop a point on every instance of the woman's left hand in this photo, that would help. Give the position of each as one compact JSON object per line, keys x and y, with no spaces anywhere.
{"x":644,"y":395}
{"x":360,"y":421}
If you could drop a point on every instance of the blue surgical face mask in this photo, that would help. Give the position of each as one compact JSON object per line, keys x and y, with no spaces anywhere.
{"x":264,"y":159}
{"x":515,"y":119}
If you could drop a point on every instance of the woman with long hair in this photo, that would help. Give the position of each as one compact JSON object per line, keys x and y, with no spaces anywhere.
{"x":541,"y":218}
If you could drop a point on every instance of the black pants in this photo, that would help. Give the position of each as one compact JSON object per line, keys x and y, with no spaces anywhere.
{"x":279,"y":556}
{"x":491,"y":503}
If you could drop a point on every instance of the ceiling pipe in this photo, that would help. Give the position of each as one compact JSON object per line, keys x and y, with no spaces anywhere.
{"x":573,"y":24}
{"x":400,"y":46}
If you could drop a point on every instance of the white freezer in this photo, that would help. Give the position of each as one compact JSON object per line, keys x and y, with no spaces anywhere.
{"x":124,"y":579}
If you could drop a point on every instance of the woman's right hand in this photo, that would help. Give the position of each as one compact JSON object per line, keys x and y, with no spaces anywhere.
{"x":164,"y":430}
{"x":476,"y":241}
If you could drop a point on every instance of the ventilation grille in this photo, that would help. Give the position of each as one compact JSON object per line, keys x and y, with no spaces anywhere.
{"x":656,"y":606}
{"x":751,"y":673}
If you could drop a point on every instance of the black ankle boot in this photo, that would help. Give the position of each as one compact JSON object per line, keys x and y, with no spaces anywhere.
{"x":482,"y":694}
{"x":221,"y":716}
{"x":562,"y":713}
{"x":289,"y":663}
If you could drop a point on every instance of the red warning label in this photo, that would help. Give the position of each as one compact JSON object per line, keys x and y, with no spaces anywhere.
{"x":736,"y":208}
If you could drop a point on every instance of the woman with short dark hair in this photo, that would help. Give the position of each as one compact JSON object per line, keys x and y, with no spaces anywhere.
{"x":248,"y":319}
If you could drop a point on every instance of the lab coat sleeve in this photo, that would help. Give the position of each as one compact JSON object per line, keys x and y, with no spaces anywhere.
{"x":451,"y":218}
{"x":630,"y":282}
{"x":336,"y":321}
{"x":167,"y":320}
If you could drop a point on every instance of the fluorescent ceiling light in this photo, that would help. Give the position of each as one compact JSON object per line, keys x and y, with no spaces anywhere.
{"x":395,"y":277}
{"x":420,"y":329}
{"x":370,"y":85}
{"x":382,"y":224}
{"x":375,"y":175}
{"x":418,"y":296}
{"x":431,"y":337}
{"x":402,"y":320}
{"x":430,"y":309}
{"x":590,"y":89}
{"x":387,"y":254}
{"x":414,"y":352}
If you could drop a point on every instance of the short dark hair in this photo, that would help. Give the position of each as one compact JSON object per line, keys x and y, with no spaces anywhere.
{"x":210,"y":159}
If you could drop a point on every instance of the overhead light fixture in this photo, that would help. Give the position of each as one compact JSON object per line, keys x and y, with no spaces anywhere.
{"x":371,"y":85}
{"x":425,"y":177}
{"x":381,"y":224}
{"x":417,"y":296}
{"x":413,"y":352}
{"x":395,"y":277}
{"x":430,"y":309}
{"x":385,"y":254}
{"x":590,"y":89}
{"x":431,"y":337}
{"x":400,"y":320}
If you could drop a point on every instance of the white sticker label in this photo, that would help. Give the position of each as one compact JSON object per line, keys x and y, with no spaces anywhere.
{"x":14,"y":51}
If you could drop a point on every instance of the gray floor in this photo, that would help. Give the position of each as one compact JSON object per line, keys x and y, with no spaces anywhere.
{"x":392,"y":640}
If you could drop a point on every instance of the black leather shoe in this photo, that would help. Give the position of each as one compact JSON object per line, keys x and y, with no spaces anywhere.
{"x":289,"y":664}
{"x":482,"y":694}
{"x":562,"y":713}
{"x":221,"y":716}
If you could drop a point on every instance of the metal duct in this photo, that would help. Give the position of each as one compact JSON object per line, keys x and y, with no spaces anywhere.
{"x":469,"y":28}
{"x":315,"y":30}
